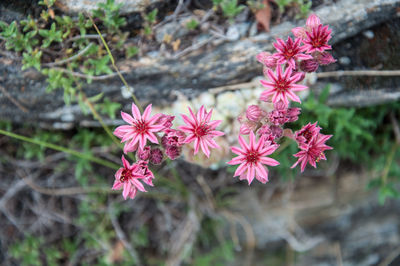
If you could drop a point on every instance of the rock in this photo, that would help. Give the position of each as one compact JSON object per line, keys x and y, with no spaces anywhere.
{"x":233,"y":33}
{"x":128,"y":6}
{"x":158,"y":79}
{"x":243,"y":28}
{"x":344,"y":60}
{"x":175,"y":29}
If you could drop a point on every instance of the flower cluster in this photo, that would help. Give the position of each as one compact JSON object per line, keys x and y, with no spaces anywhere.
{"x":153,"y":140}
{"x":284,"y":70}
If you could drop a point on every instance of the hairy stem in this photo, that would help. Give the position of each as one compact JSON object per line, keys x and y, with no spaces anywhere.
{"x":114,"y":65}
{"x":62,"y":149}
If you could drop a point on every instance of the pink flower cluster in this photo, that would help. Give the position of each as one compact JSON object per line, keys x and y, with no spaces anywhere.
{"x":284,"y":70}
{"x":199,"y":129}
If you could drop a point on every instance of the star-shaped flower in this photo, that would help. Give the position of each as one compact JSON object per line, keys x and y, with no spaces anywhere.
{"x":317,"y":39}
{"x":140,"y":129}
{"x":289,"y":52}
{"x":282,"y":86}
{"x":201,"y":130}
{"x":128,"y":178}
{"x":312,"y":152}
{"x":252,"y":158}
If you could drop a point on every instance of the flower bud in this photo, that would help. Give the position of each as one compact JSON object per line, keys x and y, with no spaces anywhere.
{"x":173,"y":152}
{"x":310,"y":65}
{"x":278,"y":117}
{"x":156,"y":156}
{"x":325,"y":59}
{"x":165,"y":120}
{"x":254,"y":113}
{"x":279,"y":106}
{"x":313,"y":21}
{"x":299,"y":32}
{"x":143,"y":154}
{"x":262,"y":56}
{"x":244,"y":129}
{"x":293,"y":114}
{"x":276,"y":131}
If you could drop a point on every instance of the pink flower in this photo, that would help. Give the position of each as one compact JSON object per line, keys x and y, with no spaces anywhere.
{"x":282,"y":86}
{"x":317,"y":39}
{"x":145,"y":171}
{"x":140,"y":128}
{"x":201,"y":130}
{"x":252,"y":158}
{"x":290,"y":51}
{"x":312,"y":22}
{"x":306,"y":133}
{"x":128,"y":178}
{"x":312,"y":152}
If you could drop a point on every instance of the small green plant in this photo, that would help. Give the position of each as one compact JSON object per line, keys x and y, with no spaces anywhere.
{"x":282,"y":4}
{"x":304,"y":8}
{"x":192,"y":24}
{"x":150,"y":20}
{"x":231,"y":8}
{"x":131,"y":51}
{"x":29,"y":250}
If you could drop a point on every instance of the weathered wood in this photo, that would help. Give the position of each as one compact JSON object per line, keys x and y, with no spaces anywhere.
{"x":158,"y":79}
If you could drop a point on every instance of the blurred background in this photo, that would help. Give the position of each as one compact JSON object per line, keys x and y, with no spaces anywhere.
{"x":60,"y":92}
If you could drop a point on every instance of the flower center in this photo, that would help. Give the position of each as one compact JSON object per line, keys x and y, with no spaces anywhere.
{"x":201,"y":130}
{"x":281,"y":86}
{"x":125,"y":175}
{"x":317,"y":42}
{"x":289,"y":53}
{"x":252,"y":157}
{"x":141,"y":127}
{"x":307,"y":135}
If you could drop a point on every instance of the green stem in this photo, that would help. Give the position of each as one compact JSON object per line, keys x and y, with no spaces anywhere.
{"x":62,"y":149}
{"x":389,"y":162}
{"x":114,"y":65}
{"x":98,"y":118}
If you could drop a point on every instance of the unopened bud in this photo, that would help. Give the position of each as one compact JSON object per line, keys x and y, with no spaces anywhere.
{"x":156,"y":156}
{"x":325,"y":59}
{"x":310,"y":65}
{"x":313,"y":21}
{"x":254,"y":113}
{"x":143,"y":154}
{"x":173,"y":152}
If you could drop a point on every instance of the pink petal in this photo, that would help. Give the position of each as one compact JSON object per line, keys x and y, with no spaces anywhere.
{"x":237,"y":160}
{"x":240,"y":169}
{"x":243,"y":143}
{"x":146,"y":113}
{"x":204,"y":148}
{"x":125,"y":162}
{"x":250,"y":173}
{"x":136,"y":112}
{"x":238,"y":151}
{"x":138,"y":185}
{"x":127,"y":118}
{"x":269,"y":161}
